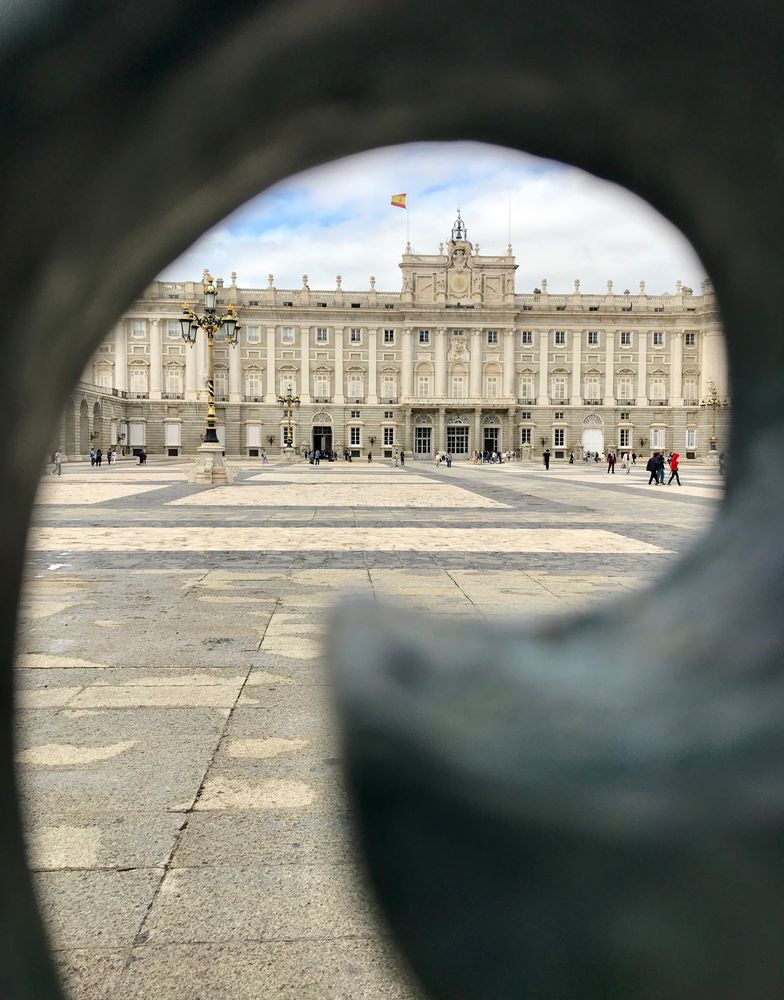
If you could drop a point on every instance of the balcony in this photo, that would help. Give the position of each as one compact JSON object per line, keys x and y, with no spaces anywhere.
{"x":690,"y":402}
{"x":355,"y":399}
{"x":527,"y":401}
{"x":625,"y":402}
{"x":388,"y":399}
{"x":660,"y":402}
{"x":172,"y":395}
{"x":221,"y":397}
{"x":592,"y":402}
{"x":322,"y":399}
{"x":253,"y":399}
{"x":138,"y":395}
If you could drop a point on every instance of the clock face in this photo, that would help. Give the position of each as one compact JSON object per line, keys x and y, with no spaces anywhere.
{"x":458,"y":284}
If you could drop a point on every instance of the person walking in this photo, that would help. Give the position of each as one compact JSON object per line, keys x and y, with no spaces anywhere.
{"x":610,"y":462}
{"x":674,"y":465}
{"x":448,"y":460}
{"x":627,"y":462}
{"x":58,"y":463}
{"x":397,"y":460}
{"x":316,"y":456}
{"x":370,"y":456}
{"x":653,"y":468}
{"x":571,"y":458}
{"x":634,"y":458}
{"x":402,"y":458}
{"x":264,"y":460}
{"x":546,"y":459}
{"x":661,"y":462}
{"x":98,"y":457}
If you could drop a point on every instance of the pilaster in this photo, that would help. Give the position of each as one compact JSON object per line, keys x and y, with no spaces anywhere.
{"x":304,"y":362}
{"x":475,"y":388}
{"x":577,"y":347}
{"x":543,"y":399}
{"x":155,"y":359}
{"x":609,"y":369}
{"x":642,"y":368}
{"x":406,"y":363}
{"x":440,"y":365}
{"x":372,"y":389}
{"x":271,"y":395}
{"x":676,"y":368}
{"x":340,"y":389}
{"x":509,"y":363}
{"x":120,"y":358}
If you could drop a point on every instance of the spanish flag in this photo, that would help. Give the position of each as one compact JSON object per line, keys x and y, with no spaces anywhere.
{"x":398,"y":200}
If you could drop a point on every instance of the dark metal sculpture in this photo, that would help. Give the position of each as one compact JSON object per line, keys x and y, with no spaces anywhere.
{"x":543,"y":816}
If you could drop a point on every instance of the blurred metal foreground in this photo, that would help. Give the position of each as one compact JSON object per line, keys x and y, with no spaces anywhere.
{"x":583,"y":814}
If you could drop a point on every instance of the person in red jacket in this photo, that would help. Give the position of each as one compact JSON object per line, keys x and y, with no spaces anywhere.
{"x":674,"y":469}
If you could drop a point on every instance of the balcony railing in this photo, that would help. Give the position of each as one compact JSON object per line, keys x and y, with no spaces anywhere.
{"x":355,"y":399}
{"x":660,"y":402}
{"x":172,"y":395}
{"x":221,"y":397}
{"x":253,"y":399}
{"x":625,"y":402}
{"x":322,"y":399}
{"x":527,"y":401}
{"x":138,"y":395}
{"x":389,"y":399}
{"x":592,"y":401}
{"x":690,"y":402}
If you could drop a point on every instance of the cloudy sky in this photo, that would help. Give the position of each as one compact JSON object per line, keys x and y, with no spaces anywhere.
{"x":337,"y":219}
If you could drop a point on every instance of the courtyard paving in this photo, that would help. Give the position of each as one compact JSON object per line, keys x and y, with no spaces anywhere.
{"x":177,"y":754}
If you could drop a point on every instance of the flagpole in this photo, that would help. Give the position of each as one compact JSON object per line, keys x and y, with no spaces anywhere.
{"x":408,"y":231}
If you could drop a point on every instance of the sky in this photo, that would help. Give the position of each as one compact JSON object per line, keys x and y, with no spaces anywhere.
{"x":337,"y":219}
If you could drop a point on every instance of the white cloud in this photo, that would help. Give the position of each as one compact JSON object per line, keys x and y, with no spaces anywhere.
{"x":336,"y":219}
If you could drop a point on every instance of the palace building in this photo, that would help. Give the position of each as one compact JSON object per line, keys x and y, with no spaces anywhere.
{"x":455,"y":361}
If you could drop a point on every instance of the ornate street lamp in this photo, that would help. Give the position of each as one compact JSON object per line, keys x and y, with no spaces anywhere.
{"x":216,"y":327}
{"x":713,"y":401}
{"x":288,"y":402}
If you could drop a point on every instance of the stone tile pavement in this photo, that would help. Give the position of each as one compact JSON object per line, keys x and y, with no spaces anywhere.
{"x":179,"y":763}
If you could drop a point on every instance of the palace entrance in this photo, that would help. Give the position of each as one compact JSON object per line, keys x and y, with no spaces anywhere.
{"x":457,"y":437}
{"x":423,"y":442}
{"x":322,"y":438}
{"x":490,"y":439}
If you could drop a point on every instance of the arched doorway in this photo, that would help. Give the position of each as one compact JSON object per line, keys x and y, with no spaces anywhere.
{"x":593,"y":434}
{"x":457,"y":435}
{"x":423,"y":436}
{"x":84,"y":428}
{"x":491,"y":433}
{"x":321,"y":432}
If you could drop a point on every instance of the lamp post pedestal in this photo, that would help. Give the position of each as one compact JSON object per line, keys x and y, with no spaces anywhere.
{"x":209,"y":466}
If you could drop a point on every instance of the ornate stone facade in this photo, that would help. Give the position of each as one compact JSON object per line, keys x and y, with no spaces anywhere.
{"x":456,"y":361}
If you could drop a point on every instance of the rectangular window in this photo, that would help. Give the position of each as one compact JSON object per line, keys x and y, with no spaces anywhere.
{"x":525,"y":435}
{"x":136,"y":433}
{"x":457,"y":333}
{"x":625,"y":414}
{"x":658,"y":309}
{"x":558,"y":437}
{"x":356,"y":414}
{"x":388,"y":389}
{"x":423,"y":386}
{"x":625,"y":387}
{"x":559,"y":387}
{"x":527,"y":387}
{"x":288,"y":385}
{"x":458,"y":387}
{"x":526,"y":338}
{"x":658,"y":389}
{"x":492,"y":336}
{"x":525,"y":414}
{"x":356,"y":389}
{"x":389,"y":435}
{"x":657,"y":438}
{"x":559,"y":415}
{"x":253,"y":385}
{"x":491,"y":387}
{"x":253,"y":435}
{"x":321,"y":388}
{"x":287,"y":335}
{"x":424,"y":336}
{"x":173,"y":329}
{"x":658,"y":338}
{"x":591,"y":388}
{"x":174,"y":380}
{"x":690,"y":391}
{"x":389,"y":336}
{"x":138,"y":381}
{"x":254,"y":334}
{"x":626,"y":338}
{"x":691,"y":438}
{"x":593,"y":338}
{"x":624,"y":437}
{"x":389,"y":414}
{"x":171,"y":434}
{"x":103,"y":379}
{"x":690,"y":339}
{"x":138,"y":328}
{"x":355,"y":336}
{"x":322,"y":337}
{"x":356,"y":435}
{"x":560,"y":338}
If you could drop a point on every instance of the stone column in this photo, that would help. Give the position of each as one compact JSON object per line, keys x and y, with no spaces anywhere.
{"x":190,"y":372}
{"x":441,"y":362}
{"x":609,"y":369}
{"x":120,"y":359}
{"x":714,"y":363}
{"x":577,"y":347}
{"x":200,"y":349}
{"x":407,"y":444}
{"x":304,"y":389}
{"x":235,"y":390}
{"x":509,"y":363}
{"x":676,"y":369}
{"x":407,"y":375}
{"x":155,"y":359}
{"x":440,"y":444}
{"x":271,"y":395}
{"x":543,"y":399}
{"x":372,"y":388}
{"x":477,"y":444}
{"x":642,"y":368}
{"x":475,"y":388}
{"x":340,"y":389}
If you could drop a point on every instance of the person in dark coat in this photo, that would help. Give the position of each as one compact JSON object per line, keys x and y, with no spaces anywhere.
{"x":546,"y":458}
{"x":653,"y":467}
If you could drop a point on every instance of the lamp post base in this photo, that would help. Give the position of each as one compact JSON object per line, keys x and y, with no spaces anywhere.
{"x":209,"y":466}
